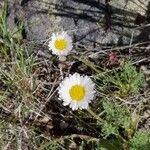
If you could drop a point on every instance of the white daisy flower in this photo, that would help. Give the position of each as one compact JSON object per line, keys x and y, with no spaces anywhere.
{"x":76,"y":91}
{"x":60,"y":44}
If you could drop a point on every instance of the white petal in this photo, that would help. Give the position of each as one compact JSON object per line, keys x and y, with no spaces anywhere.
{"x":72,"y":80}
{"x":57,"y":36}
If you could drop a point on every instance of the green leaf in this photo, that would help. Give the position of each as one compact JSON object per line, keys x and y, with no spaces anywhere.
{"x":140,"y":141}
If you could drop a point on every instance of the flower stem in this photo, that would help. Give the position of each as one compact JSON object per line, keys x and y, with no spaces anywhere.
{"x":94,"y":115}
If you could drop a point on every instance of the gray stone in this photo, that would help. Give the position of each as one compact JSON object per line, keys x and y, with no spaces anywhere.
{"x":88,"y":21}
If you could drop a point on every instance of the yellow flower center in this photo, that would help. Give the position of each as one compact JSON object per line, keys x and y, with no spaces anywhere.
{"x":61,"y":44}
{"x":77,"y":92}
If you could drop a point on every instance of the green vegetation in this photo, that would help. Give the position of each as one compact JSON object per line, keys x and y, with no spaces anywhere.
{"x":32,"y":117}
